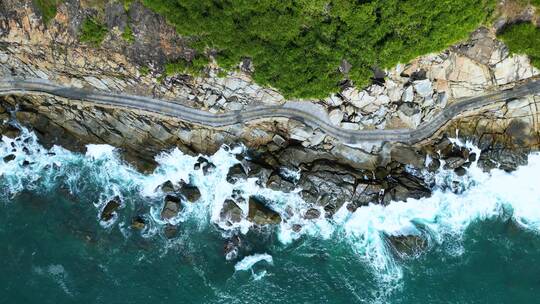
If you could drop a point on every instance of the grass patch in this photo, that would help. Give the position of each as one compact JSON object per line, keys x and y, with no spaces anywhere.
{"x":523,"y":38}
{"x":47,"y":8}
{"x":182,"y":66}
{"x":127,"y":35}
{"x":144,"y":70}
{"x":93,"y":32}
{"x":297,"y":45}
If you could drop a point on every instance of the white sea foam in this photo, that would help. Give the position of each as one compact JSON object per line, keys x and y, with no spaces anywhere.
{"x":446,"y":213}
{"x":248,"y":262}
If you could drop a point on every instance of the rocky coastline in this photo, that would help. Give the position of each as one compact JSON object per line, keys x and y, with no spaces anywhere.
{"x":330,"y":173}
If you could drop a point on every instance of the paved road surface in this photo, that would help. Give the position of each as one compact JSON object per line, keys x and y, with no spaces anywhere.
{"x":305,"y":112}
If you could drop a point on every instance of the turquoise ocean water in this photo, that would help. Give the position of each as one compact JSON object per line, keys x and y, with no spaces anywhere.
{"x":481,"y":229}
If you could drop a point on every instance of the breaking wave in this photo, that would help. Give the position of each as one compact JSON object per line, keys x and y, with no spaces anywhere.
{"x":457,"y":201}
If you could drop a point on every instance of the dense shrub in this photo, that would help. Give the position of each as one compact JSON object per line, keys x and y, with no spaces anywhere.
{"x":93,"y":32}
{"x":47,"y":8}
{"x":523,"y":38}
{"x":297,"y":45}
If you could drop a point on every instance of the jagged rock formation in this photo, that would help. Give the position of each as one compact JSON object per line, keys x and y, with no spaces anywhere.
{"x":331,"y":173}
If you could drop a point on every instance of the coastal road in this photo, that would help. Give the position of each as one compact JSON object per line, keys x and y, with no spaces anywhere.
{"x":308,"y":113}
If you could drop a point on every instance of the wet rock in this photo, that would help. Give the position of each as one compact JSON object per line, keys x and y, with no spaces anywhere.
{"x":190,"y":192}
{"x":260,"y":214}
{"x":170,"y":231}
{"x":110,"y":209}
{"x":9,"y":130}
{"x":312,"y":213}
{"x":167,"y":187}
{"x":297,"y":228}
{"x":208,"y":168}
{"x":205,"y":165}
{"x":138,"y":223}
{"x":231,"y":213}
{"x":434,"y":165}
{"x":454,"y":162}
{"x":9,"y":158}
{"x":231,"y":247}
{"x":171,"y":207}
{"x":278,"y":183}
{"x":407,"y":245}
{"x":236,"y":173}
{"x":460,"y":171}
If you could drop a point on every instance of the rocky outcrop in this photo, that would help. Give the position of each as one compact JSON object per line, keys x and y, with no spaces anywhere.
{"x":330,"y":173}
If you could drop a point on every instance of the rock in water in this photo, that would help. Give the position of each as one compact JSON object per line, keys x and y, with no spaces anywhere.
{"x":231,"y":213}
{"x":110,"y":209}
{"x":167,"y":187}
{"x":407,"y":245}
{"x":138,"y":223}
{"x":312,"y":213}
{"x":171,"y":207}
{"x":190,"y":192}
{"x":9,"y":158}
{"x":260,"y":214}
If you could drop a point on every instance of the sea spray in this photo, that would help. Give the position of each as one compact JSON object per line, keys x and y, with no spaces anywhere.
{"x":248,"y":262}
{"x":100,"y":175}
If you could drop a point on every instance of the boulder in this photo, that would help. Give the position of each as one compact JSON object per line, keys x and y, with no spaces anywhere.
{"x":171,"y":207}
{"x":110,"y":209}
{"x":190,"y":192}
{"x":261,"y":214}
{"x":231,"y":213}
{"x":9,"y":158}
{"x":312,"y":213}
{"x":167,"y":187}
{"x":454,"y":162}
{"x":335,"y":116}
{"x":236,"y":172}
{"x":423,"y":88}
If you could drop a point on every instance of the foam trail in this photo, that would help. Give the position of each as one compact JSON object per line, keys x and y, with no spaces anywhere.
{"x":443,"y":216}
{"x":248,"y":262}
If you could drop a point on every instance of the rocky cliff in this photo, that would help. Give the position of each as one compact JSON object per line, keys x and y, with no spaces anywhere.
{"x":331,"y":173}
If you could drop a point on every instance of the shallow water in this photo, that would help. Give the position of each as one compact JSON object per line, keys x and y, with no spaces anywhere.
{"x":482,"y":231}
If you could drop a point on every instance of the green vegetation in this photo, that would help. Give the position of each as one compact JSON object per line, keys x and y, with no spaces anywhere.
{"x":297,"y":45}
{"x":523,"y":38}
{"x":47,"y":9}
{"x":93,"y":32}
{"x":144,"y":70}
{"x":127,"y":35}
{"x":193,"y":67}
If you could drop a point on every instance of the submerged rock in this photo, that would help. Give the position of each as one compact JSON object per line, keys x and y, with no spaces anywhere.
{"x":407,"y":245}
{"x":261,"y":214}
{"x":170,"y":231}
{"x":110,"y":209}
{"x":138,"y":223}
{"x":171,"y":207}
